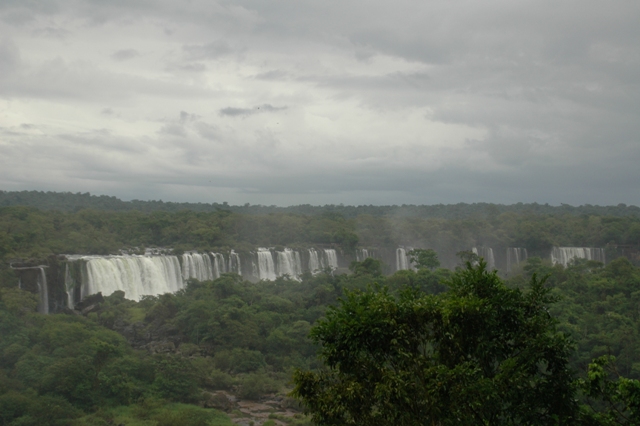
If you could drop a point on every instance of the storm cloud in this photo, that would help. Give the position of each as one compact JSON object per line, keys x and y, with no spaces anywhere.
{"x":323,"y":102}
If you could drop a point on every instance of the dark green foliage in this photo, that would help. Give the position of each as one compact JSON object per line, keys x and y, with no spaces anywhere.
{"x":370,"y":267}
{"x":253,"y":386}
{"x":175,"y":379}
{"x":600,"y":307}
{"x":610,"y":401}
{"x":247,"y":337}
{"x":424,"y":259}
{"x":479,"y":354}
{"x":67,"y":201}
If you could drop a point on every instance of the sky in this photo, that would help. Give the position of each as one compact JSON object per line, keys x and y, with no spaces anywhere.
{"x":286,"y":102}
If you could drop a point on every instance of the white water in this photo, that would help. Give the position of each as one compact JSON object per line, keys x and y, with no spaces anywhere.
{"x":564,"y":255}
{"x":266,"y":267}
{"x":254,"y":267}
{"x":332,"y":258}
{"x":362,"y":254}
{"x":515,"y":255}
{"x":198,"y":266}
{"x":152,"y":275}
{"x":315,"y":264}
{"x":43,"y":292}
{"x":289,"y":263}
{"x":219,"y":265}
{"x":69,"y":286}
{"x":487,"y":254}
{"x":402,"y":262}
{"x":137,"y":276}
{"x":234,"y":263}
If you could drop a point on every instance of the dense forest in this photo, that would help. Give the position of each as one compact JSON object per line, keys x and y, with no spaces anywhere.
{"x":157,"y":361}
{"x":196,"y":356}
{"x":33,"y":232}
{"x":70,"y":202}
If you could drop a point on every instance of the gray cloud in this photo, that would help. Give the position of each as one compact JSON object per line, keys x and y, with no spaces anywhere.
{"x":125,"y":54}
{"x":213,"y":50}
{"x":9,"y":57}
{"x":388,"y":102}
{"x":243,"y":112}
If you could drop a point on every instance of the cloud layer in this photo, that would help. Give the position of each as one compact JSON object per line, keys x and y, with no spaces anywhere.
{"x":288,"y":102}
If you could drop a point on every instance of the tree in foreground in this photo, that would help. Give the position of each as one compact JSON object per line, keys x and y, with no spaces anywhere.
{"x":610,"y":399}
{"x":480,"y":354}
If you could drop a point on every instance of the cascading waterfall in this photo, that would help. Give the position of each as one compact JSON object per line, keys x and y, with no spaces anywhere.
{"x":487,"y":254}
{"x":332,"y":258}
{"x":491,"y":262}
{"x":362,"y":254}
{"x":198,"y":266}
{"x":515,"y":255}
{"x":154,"y":274}
{"x":315,"y":261}
{"x":234,"y":263}
{"x":219,"y":265}
{"x":402,"y":262}
{"x":255,"y":271}
{"x":137,"y":276}
{"x":43,"y":292}
{"x":69,"y":285}
{"x":266,"y":267}
{"x":289,"y":263}
{"x":564,"y":255}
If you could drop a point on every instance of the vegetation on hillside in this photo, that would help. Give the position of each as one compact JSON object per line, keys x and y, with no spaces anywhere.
{"x":157,"y":361}
{"x":249,"y":338}
{"x":72,"y":202}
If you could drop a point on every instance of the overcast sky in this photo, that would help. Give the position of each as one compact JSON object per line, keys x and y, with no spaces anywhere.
{"x":290,"y":102}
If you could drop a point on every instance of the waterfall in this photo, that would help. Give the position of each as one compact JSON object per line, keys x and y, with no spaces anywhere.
{"x":266,"y":268}
{"x":402,"y":262}
{"x":491,"y":262}
{"x":141,"y":275}
{"x":198,"y":266}
{"x":170,"y":271}
{"x":362,"y":254}
{"x":219,"y":265}
{"x":487,"y":254}
{"x":289,"y":263}
{"x":137,"y":276}
{"x":234,"y":263}
{"x":564,"y":255}
{"x":255,"y":271}
{"x":314,"y":261}
{"x":43,"y":292}
{"x":515,"y":255}
{"x":69,"y":285}
{"x":332,"y":258}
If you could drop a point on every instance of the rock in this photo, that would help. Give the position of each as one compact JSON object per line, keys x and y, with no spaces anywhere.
{"x":288,"y":403}
{"x":93,"y":299}
{"x":218,"y":400}
{"x":89,"y":309}
{"x":68,"y":311}
{"x":133,"y":333}
{"x":160,"y":347}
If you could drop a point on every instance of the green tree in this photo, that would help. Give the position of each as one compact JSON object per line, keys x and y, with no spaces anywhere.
{"x":617,"y":401}
{"x":480,"y":354}
{"x":369,"y":266}
{"x":175,"y":379}
{"x":424,"y":258}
